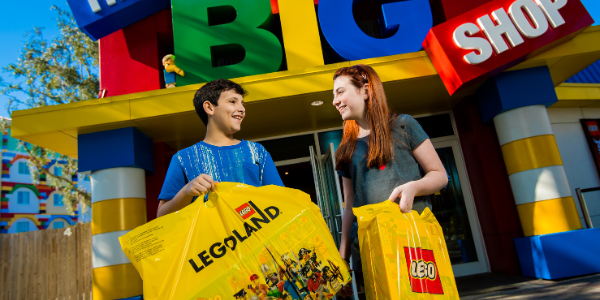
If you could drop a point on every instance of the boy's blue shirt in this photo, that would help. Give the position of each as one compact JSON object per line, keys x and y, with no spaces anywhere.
{"x":246,"y":162}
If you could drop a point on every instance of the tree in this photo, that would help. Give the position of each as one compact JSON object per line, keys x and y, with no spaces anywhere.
{"x":60,"y":71}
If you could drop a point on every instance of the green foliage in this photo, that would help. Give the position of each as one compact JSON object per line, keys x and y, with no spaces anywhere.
{"x":64,"y":70}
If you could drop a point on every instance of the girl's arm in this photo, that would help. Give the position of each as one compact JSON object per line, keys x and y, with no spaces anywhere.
{"x":347,"y":217}
{"x":434,"y":180}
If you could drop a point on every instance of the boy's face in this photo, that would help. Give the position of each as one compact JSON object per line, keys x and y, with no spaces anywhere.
{"x":228,"y":115}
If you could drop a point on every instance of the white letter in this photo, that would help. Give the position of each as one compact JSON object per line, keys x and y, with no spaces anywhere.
{"x":431,"y":271}
{"x":535,"y":14}
{"x":413,"y":269}
{"x":94,"y":5}
{"x":505,"y":27}
{"x":111,"y":2}
{"x":551,"y":10}
{"x":421,"y":269}
{"x":462,"y":40}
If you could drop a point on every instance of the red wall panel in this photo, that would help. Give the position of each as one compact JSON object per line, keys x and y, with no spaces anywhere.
{"x":453,"y":8}
{"x":492,"y":193}
{"x":154,"y":182}
{"x":130,"y":59}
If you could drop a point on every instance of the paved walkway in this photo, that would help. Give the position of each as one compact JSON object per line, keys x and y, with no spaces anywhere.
{"x":580,"y":288}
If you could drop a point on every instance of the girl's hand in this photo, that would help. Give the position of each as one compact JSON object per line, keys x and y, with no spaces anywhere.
{"x":407,"y":193}
{"x":346,"y":291}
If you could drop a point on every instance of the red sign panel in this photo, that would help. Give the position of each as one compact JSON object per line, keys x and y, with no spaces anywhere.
{"x":500,"y":34}
{"x":592,"y":135}
{"x":423,"y":271}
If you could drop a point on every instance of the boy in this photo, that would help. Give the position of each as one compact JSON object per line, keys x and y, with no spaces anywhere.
{"x":219,"y":157}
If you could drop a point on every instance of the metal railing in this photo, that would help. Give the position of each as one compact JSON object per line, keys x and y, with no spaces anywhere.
{"x":584,"y":210}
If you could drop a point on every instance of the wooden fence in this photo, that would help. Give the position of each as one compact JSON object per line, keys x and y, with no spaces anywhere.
{"x":47,"y":264}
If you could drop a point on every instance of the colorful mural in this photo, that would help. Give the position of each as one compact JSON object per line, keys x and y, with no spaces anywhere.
{"x":25,"y":206}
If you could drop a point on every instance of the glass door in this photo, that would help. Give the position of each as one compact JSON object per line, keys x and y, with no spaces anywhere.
{"x":454,"y":209}
{"x":329,"y":196}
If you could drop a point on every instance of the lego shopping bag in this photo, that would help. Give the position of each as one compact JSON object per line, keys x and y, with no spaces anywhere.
{"x":243,"y":243}
{"x":404,"y":256}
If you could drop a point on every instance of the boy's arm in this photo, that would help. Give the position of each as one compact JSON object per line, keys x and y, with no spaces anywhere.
{"x":176,"y":193}
{"x":270,"y":174}
{"x":198,"y":186}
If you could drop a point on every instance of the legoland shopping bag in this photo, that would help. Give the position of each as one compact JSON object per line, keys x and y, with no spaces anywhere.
{"x":404,"y":256}
{"x":243,"y":243}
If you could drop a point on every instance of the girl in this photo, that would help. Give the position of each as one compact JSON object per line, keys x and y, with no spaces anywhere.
{"x":379,"y":155}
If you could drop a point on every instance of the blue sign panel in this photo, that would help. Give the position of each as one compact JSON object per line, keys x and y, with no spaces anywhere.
{"x":99,"y":18}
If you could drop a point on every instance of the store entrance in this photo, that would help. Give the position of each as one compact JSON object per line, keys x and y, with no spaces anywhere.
{"x":306,"y":162}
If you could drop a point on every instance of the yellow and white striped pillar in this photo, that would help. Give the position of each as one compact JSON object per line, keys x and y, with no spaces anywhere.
{"x":118,"y":161}
{"x":118,"y":206}
{"x":536,"y":173}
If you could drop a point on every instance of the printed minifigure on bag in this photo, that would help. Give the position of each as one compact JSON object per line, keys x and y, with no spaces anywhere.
{"x":170,"y":70}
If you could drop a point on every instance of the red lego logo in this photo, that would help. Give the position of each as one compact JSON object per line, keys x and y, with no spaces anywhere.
{"x":245,"y":211}
{"x":423,"y":271}
{"x":593,"y":128}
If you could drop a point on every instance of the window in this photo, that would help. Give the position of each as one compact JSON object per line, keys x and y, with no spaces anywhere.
{"x":23,"y":197}
{"x":58,"y":200}
{"x":58,"y":225}
{"x":22,"y":226}
{"x":57,"y":171}
{"x":23,"y":168}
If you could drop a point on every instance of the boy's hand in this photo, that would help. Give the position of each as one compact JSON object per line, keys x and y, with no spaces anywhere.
{"x":200,"y":185}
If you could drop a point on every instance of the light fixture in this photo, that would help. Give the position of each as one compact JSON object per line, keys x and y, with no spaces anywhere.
{"x":286,"y":173}
{"x":316,"y":103}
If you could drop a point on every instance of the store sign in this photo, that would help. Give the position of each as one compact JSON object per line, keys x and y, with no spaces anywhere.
{"x":498,"y":35}
{"x":410,"y":20}
{"x":476,"y":44}
{"x":591,"y":128}
{"x":99,"y":18}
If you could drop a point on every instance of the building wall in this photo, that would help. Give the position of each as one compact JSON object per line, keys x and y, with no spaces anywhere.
{"x":577,"y":159}
{"x":36,"y":209}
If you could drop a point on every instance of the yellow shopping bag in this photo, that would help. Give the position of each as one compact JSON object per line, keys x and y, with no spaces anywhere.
{"x":243,"y":243}
{"x":404,"y":256}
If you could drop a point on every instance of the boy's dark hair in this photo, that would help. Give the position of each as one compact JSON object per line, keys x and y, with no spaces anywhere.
{"x":211,"y":92}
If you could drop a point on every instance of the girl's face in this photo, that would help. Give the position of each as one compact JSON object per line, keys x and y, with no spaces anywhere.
{"x":348,"y":100}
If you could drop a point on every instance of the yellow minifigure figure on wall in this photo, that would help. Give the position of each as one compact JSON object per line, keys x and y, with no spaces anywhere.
{"x":170,"y":70}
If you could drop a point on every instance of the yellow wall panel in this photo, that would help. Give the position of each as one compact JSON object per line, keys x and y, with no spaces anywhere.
{"x":118,"y":214}
{"x":531,"y":153}
{"x":95,"y":113}
{"x":300,"y":34}
{"x":549,"y":216}
{"x":116,"y":282}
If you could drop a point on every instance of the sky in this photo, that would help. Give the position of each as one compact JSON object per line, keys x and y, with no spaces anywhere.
{"x":15,"y":23}
{"x":19,"y":17}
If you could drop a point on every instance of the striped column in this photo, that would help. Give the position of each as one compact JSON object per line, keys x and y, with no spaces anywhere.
{"x":535,"y":168}
{"x":118,"y":206}
{"x":118,"y":160}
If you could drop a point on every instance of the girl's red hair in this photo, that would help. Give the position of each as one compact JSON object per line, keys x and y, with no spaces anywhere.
{"x":378,"y":117}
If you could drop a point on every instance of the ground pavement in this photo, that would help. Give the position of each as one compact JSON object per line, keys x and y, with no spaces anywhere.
{"x":494,"y":286}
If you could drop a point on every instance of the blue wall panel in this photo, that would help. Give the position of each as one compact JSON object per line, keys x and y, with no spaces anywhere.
{"x":510,"y":90}
{"x":560,"y":255}
{"x":590,"y":74}
{"x":109,"y":18}
{"x":125,"y":147}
